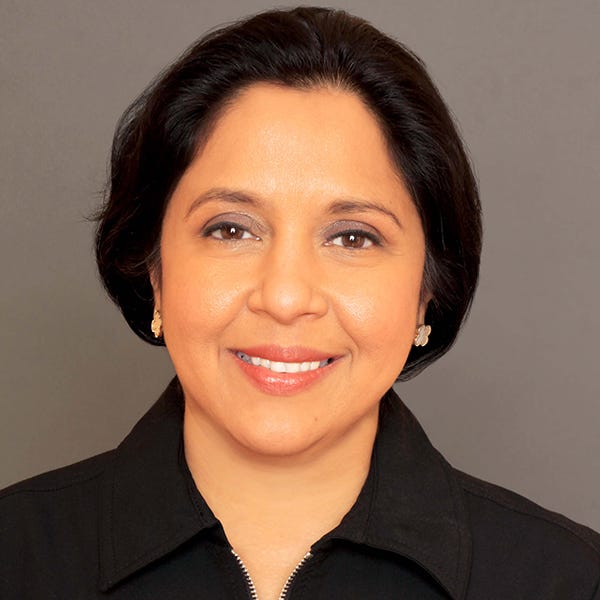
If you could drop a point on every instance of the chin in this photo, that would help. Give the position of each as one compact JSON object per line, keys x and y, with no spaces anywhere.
{"x":273,"y":438}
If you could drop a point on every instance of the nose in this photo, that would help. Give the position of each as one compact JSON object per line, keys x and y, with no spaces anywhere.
{"x":289,"y":285}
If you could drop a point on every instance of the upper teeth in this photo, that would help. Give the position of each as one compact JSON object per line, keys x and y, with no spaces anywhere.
{"x":282,"y":367}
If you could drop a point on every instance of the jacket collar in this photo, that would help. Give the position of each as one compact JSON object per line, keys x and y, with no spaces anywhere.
{"x":149,"y":503}
{"x":410,"y":504}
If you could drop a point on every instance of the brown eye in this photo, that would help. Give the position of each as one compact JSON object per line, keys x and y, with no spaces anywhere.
{"x":231,"y":232}
{"x":228,"y":232}
{"x":353,"y":239}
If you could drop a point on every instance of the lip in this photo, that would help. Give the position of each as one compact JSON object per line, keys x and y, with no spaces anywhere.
{"x":284,"y":384}
{"x":286,"y":353}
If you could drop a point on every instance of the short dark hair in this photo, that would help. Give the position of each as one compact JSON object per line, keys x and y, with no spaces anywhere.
{"x":159,"y":134}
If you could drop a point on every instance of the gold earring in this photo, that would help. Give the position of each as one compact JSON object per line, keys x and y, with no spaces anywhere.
{"x":422,"y":336}
{"x":156,"y":325}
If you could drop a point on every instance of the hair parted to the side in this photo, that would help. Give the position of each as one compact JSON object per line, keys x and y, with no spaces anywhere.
{"x":159,"y":134}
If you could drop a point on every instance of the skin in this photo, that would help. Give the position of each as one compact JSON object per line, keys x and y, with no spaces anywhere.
{"x":282,"y":470}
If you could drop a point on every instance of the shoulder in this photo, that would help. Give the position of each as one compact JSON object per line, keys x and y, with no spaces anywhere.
{"x":56,"y":480}
{"x":33,"y":507}
{"x":493,"y":498}
{"x":49,"y":532}
{"x":528,"y":542}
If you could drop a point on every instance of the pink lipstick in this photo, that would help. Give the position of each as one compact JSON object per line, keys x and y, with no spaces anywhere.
{"x":283,"y":371}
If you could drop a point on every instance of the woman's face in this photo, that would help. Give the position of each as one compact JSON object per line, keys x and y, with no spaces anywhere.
{"x":291,"y":267}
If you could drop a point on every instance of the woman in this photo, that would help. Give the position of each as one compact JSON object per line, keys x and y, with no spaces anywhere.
{"x":292,"y":213}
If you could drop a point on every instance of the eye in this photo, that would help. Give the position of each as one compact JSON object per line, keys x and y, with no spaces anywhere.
{"x":228,"y":232}
{"x":355,"y":240}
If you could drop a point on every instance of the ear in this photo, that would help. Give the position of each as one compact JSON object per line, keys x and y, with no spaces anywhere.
{"x":426,"y":297}
{"x":155,"y":281}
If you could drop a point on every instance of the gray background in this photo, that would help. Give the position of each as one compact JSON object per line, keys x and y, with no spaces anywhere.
{"x":516,"y":402}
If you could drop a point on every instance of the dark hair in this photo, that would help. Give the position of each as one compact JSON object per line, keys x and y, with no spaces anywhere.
{"x":159,"y":134}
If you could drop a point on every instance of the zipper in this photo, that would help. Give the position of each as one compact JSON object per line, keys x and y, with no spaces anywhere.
{"x":290,"y":579}
{"x":249,"y":582}
{"x":286,"y":585}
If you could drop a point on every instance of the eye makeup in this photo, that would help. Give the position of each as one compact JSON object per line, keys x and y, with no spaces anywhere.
{"x":232,"y":227}
{"x":356,"y":233}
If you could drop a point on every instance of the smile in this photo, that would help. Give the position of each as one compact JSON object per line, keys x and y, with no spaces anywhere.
{"x":283,"y":367}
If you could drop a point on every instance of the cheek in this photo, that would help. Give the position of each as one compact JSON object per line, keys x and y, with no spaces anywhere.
{"x":381,"y":318}
{"x":199,"y":300}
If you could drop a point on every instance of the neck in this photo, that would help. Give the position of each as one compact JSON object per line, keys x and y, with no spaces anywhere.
{"x":274,"y":496}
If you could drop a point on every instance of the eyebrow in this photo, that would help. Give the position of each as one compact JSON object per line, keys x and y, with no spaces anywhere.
{"x":234,"y":196}
{"x":341,"y":206}
{"x":351,"y":205}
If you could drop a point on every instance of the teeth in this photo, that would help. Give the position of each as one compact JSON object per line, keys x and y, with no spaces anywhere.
{"x":283,"y":367}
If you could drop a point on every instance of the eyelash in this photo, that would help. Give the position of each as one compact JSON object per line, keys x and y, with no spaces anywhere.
{"x":209,"y":231}
{"x":372,"y":238}
{"x":367,"y":235}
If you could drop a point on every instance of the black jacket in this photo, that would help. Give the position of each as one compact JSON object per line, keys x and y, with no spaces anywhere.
{"x":131,"y":524}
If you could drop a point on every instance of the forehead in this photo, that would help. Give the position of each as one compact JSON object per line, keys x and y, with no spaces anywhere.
{"x":273,"y":128}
